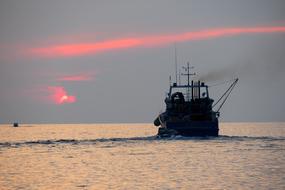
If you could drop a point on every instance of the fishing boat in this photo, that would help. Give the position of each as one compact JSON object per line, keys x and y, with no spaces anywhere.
{"x":189,"y":109}
{"x":15,"y":124}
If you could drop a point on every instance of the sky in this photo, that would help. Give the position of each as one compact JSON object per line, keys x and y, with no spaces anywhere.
{"x":91,"y":61}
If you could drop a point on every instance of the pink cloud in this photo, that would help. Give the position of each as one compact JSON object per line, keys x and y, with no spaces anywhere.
{"x":79,"y":49}
{"x":79,"y":77}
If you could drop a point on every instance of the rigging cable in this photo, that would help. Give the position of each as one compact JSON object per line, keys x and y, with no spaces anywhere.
{"x":225,"y":95}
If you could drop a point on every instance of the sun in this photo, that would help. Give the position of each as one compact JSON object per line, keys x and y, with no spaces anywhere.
{"x":59,"y":95}
{"x":64,"y":98}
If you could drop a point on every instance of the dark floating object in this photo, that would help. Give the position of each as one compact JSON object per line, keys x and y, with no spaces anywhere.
{"x":189,"y":109}
{"x":15,"y":124}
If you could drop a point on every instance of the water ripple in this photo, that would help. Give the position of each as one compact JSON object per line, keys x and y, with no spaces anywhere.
{"x":137,"y":139}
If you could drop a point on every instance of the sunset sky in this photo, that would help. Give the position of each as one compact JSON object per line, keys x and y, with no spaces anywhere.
{"x":69,"y":61}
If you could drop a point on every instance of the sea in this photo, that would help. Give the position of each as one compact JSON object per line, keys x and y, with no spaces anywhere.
{"x":130,"y":156}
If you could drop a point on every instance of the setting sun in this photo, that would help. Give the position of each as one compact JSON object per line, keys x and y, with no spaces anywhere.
{"x":59,"y":95}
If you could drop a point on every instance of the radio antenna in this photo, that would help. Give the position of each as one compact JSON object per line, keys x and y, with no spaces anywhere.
{"x":179,"y":76}
{"x":175,"y":60}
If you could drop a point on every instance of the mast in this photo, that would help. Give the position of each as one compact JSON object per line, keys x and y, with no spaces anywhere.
{"x":179,"y":77}
{"x":187,"y":69}
{"x":188,"y":73}
{"x":175,"y":60}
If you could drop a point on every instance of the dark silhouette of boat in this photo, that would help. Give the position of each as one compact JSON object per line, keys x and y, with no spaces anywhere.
{"x":189,"y":110}
{"x":15,"y":124}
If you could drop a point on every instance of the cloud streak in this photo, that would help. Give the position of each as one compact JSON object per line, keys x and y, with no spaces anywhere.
{"x":80,"y":49}
{"x":79,"y":77}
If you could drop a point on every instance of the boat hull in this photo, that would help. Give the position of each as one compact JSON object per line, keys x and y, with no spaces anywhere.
{"x":189,"y":128}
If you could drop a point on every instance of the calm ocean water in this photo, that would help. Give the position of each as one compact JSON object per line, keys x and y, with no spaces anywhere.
{"x":128,"y":156}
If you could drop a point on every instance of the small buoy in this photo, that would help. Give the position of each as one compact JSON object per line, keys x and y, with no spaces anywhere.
{"x":15,"y":124}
